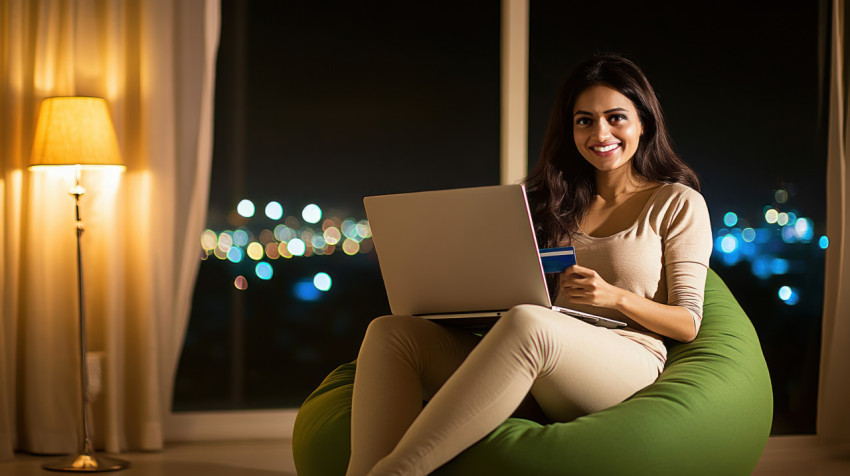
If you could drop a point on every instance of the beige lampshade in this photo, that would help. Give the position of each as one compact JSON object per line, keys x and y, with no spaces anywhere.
{"x":75,"y":130}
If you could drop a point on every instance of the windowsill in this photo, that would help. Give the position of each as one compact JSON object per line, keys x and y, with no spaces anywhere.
{"x":230,"y":425}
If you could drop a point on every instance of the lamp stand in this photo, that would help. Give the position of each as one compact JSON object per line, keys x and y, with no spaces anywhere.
{"x":85,"y":461}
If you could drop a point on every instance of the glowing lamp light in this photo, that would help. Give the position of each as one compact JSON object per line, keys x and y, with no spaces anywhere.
{"x":322,"y":281}
{"x":245,"y":208}
{"x":274,"y":210}
{"x":264,"y":270}
{"x":311,"y":213}
{"x":730,"y":219}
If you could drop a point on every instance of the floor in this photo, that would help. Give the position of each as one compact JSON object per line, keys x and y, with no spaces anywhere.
{"x":784,"y":456}
{"x":243,"y":458}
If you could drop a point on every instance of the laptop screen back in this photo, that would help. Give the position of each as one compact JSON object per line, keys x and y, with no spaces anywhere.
{"x":460,"y":250}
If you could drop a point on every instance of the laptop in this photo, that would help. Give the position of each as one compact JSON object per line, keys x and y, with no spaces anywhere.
{"x":462,"y":256}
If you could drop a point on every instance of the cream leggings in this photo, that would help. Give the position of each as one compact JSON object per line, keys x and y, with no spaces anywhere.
{"x":474,"y":384}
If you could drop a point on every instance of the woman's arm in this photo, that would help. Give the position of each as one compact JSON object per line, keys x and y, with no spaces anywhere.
{"x":584,"y":286}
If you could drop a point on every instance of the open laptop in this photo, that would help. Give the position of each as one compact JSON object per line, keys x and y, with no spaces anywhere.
{"x":462,"y":255}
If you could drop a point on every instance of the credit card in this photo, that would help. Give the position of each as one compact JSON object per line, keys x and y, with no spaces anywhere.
{"x":556,"y":260}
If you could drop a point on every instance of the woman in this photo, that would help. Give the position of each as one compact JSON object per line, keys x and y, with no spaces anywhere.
{"x":630,"y":206}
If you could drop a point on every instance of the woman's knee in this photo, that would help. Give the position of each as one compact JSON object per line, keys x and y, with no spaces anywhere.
{"x":387,"y":327}
{"x":526,"y":319}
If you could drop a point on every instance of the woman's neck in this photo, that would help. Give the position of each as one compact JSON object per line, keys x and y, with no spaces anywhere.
{"x":620,"y":183}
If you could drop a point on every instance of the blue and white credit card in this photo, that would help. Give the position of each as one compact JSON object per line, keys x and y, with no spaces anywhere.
{"x":556,"y":260}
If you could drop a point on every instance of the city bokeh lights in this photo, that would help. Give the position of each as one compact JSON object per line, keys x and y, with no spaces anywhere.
{"x":291,"y":239}
{"x":778,"y":242}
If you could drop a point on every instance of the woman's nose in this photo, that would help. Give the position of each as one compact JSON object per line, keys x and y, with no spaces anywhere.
{"x":602,"y":130}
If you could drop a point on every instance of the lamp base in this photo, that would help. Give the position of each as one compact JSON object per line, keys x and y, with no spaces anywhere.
{"x":87,"y":463}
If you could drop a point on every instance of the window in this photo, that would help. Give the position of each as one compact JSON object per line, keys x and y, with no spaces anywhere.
{"x":319,"y":104}
{"x":743,"y":102}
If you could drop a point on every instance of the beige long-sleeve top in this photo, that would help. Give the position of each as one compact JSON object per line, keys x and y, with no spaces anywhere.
{"x":662,"y":256}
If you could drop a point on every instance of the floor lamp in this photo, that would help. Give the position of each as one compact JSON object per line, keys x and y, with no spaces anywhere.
{"x":77,"y":132}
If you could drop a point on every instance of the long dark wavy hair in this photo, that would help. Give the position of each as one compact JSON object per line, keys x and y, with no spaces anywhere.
{"x":561,"y":186}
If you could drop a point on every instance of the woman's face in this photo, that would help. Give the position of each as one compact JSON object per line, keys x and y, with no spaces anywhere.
{"x":606,"y":127}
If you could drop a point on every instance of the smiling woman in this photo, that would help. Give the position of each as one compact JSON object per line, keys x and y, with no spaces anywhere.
{"x":708,"y":68}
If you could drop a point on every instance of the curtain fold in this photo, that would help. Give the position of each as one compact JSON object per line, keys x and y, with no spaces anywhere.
{"x":833,"y":424}
{"x":153,"y":61}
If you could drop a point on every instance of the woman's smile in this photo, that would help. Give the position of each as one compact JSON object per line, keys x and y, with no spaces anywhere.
{"x":604,"y":150}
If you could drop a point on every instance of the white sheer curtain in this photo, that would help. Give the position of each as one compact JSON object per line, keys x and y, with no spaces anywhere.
{"x":154,"y":62}
{"x":833,"y":415}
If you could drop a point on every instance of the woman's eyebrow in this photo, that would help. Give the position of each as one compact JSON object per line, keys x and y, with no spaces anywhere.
{"x":609,"y":111}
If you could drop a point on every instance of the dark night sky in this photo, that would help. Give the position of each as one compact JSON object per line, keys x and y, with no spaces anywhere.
{"x":341,"y":99}
{"x":353,"y":99}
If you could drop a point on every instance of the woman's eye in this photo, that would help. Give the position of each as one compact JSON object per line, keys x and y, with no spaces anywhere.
{"x":582,"y":121}
{"x":617,"y":118}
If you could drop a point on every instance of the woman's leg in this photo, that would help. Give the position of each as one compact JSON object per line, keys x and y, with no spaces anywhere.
{"x":402,"y":361}
{"x":571,"y":367}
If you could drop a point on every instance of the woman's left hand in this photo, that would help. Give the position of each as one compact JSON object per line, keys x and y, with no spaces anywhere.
{"x":584,"y":286}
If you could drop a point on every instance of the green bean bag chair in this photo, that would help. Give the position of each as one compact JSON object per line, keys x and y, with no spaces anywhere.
{"x":709,"y":413}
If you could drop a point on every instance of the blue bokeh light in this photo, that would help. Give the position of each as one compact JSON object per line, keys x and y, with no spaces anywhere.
{"x":823,"y":242}
{"x":304,"y":290}
{"x":730,"y":219}
{"x":779,"y":266}
{"x":728,"y":244}
{"x":789,"y":295}
{"x":264,"y":270}
{"x":235,"y":254}
{"x":240,"y":237}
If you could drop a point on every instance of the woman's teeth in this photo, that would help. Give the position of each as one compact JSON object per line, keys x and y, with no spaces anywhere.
{"x":606,"y":148}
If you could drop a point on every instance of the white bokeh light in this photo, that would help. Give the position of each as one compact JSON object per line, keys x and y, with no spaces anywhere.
{"x":322,"y":281}
{"x":274,"y":210}
{"x":245,"y":208}
{"x":311,"y":213}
